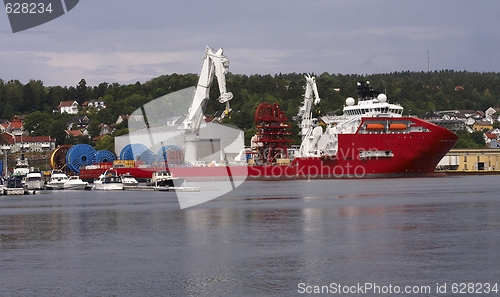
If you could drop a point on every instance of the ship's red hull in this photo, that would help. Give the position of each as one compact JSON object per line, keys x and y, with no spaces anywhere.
{"x":359,"y":155}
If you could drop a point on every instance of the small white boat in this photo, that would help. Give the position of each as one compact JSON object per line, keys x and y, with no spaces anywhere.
{"x":129,"y":181}
{"x":22,"y":168}
{"x":165,"y":179}
{"x":75,"y":183}
{"x":34,"y":180}
{"x":13,"y":186}
{"x":109,"y":180}
{"x":57,"y":180}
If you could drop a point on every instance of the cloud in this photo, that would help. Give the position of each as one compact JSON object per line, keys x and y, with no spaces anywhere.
{"x":68,"y":68}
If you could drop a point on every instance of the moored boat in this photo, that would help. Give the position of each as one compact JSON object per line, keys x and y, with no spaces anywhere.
{"x":109,"y":180}
{"x":164,"y":178}
{"x":129,"y":180}
{"x":75,"y":183}
{"x":13,"y":186}
{"x":57,"y":180}
{"x":34,"y":180}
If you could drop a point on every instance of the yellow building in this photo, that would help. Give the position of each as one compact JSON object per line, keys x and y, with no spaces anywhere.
{"x":482,"y":125}
{"x":463,"y":160}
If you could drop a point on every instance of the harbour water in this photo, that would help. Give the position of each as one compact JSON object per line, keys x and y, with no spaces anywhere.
{"x":285,"y":238}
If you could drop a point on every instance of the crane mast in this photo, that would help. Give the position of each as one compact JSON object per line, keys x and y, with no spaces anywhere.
{"x":310,"y":97}
{"x":215,"y":63}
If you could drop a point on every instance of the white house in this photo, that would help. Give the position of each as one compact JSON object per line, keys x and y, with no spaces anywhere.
{"x":70,"y":107}
{"x":97,"y":104}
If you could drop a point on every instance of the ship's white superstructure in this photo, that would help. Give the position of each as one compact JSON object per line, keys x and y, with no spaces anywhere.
{"x":316,"y":142}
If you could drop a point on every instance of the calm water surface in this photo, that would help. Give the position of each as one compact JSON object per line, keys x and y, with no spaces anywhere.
{"x":264,"y":239}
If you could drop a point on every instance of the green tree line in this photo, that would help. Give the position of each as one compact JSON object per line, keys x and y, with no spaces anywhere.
{"x":417,"y":92}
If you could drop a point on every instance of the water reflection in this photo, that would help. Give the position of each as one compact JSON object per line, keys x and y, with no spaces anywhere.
{"x":260,"y":240}
{"x":17,"y":231}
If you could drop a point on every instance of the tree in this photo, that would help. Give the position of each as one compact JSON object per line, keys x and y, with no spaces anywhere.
{"x":36,"y":123}
{"x":477,"y":137}
{"x":106,"y":143}
{"x":81,"y":91}
{"x":104,"y":116}
{"x":94,"y":129}
{"x":57,"y":130}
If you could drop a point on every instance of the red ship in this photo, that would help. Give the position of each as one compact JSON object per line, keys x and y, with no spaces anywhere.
{"x":371,"y":139}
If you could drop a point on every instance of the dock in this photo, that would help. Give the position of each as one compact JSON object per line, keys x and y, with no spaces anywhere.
{"x":162,"y":189}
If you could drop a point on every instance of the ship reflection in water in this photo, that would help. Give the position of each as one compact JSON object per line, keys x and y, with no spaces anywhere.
{"x":262,"y":239}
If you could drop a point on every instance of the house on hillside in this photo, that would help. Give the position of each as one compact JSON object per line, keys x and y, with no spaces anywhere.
{"x":70,"y":107}
{"x":4,"y":125}
{"x":105,"y":129}
{"x":16,"y":126}
{"x":492,"y":114}
{"x":97,"y":104}
{"x":78,"y":122}
{"x":481,"y":125}
{"x":133,"y":118}
{"x":73,"y":133}
{"x":494,"y":143}
{"x":28,"y":143}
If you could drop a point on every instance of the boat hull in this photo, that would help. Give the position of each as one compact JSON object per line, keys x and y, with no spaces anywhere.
{"x":55,"y":185}
{"x":35,"y":184}
{"x":108,"y":186}
{"x":13,"y":191}
{"x":75,"y":186}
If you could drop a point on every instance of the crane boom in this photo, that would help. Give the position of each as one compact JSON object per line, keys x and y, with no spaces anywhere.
{"x":215,"y":63}
{"x":305,"y":115}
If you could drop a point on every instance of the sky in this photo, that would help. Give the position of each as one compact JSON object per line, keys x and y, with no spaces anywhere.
{"x":125,"y":41}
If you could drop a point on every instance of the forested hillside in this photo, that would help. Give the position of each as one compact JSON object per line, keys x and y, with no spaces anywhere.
{"x":417,"y":92}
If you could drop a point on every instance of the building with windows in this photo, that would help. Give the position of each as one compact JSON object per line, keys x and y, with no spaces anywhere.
{"x":70,"y":107}
{"x":27,"y":143}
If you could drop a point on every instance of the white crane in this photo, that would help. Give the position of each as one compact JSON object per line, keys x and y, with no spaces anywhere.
{"x":215,"y":63}
{"x":310,"y":97}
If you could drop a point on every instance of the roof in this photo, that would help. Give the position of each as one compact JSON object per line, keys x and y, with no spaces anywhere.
{"x":79,"y":119}
{"x":67,"y":103}
{"x":74,"y":133}
{"x":483,"y":123}
{"x":11,"y":139}
{"x":16,"y":125}
{"x":5,"y":125}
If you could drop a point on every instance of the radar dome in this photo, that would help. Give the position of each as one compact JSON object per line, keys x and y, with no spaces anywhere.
{"x":349,"y":101}
{"x":382,"y":97}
